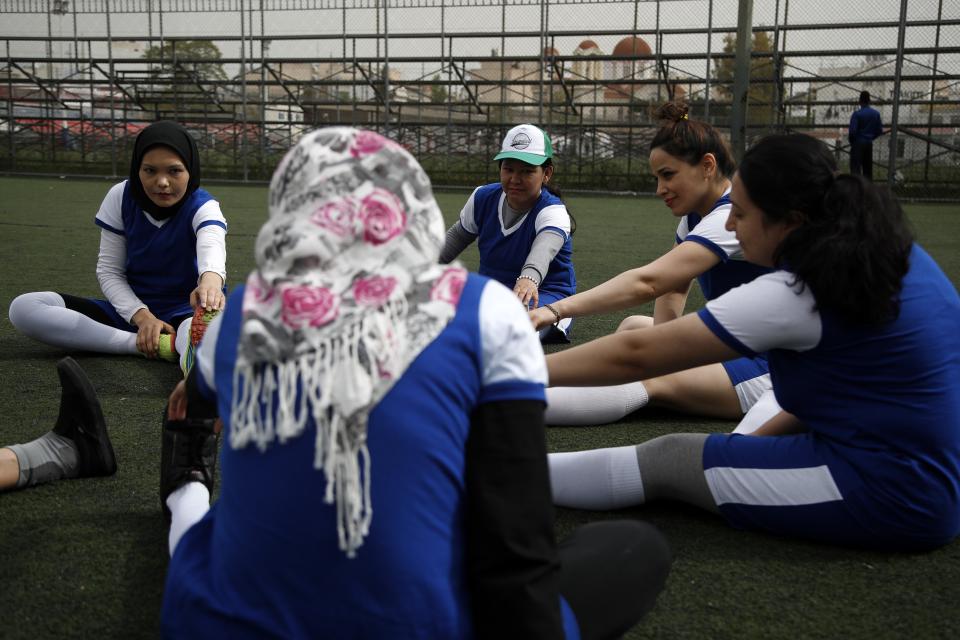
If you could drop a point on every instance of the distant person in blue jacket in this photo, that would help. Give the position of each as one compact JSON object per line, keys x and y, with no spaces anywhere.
{"x":865,"y":127}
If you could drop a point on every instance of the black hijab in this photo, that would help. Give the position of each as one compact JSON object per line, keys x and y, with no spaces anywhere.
{"x":173,"y":136}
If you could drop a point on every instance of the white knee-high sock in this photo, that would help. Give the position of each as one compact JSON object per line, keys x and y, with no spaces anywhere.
{"x":593,"y":405}
{"x":597,"y":479}
{"x":43,"y":316}
{"x":187,"y":504}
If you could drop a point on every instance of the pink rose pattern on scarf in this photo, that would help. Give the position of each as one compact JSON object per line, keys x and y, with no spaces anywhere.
{"x":373,"y":291}
{"x":383,"y":217}
{"x":256,"y":292}
{"x":308,"y":307}
{"x":337,"y":217}
{"x":366,"y":143}
{"x":449,"y":286}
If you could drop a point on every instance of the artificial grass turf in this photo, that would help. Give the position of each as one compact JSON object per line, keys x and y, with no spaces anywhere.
{"x":87,"y":558}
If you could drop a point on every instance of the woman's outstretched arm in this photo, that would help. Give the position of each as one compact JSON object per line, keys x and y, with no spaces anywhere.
{"x":639,"y":354}
{"x":670,"y":272}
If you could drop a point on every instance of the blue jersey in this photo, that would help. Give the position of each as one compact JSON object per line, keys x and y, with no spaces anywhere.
{"x":503,"y":252}
{"x":265,"y":560}
{"x":882,"y":403}
{"x":161,"y":258}
{"x":710,"y":231}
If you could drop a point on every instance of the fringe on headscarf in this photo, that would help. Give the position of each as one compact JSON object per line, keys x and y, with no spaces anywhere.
{"x":333,"y":383}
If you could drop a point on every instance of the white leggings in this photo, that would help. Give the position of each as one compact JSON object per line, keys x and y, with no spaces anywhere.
{"x":43,"y":316}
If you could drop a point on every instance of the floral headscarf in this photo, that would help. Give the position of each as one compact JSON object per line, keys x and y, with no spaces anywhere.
{"x":347,"y":292}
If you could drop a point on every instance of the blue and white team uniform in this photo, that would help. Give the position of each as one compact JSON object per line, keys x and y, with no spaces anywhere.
{"x":880,"y":463}
{"x":161,"y":261}
{"x":265,"y":559}
{"x":503,"y":252}
{"x":749,"y":375}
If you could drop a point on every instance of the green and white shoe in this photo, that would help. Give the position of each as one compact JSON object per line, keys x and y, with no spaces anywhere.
{"x":201,"y":320}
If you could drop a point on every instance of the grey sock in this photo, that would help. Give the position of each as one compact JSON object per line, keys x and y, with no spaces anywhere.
{"x":672,"y":469}
{"x":50,"y":457}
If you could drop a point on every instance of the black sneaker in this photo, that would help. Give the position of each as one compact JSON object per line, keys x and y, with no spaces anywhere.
{"x":188,"y":454}
{"x":81,"y":420}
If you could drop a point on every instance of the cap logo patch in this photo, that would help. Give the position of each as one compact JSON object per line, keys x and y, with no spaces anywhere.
{"x":520,"y":141}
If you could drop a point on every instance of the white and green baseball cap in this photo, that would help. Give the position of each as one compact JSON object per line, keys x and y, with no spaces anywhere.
{"x":527,"y":143}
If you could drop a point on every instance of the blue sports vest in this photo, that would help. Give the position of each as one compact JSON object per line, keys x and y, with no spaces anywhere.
{"x":162,"y":262}
{"x":502,"y":256}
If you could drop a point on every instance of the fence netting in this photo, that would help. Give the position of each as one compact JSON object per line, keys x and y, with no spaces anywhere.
{"x":447,"y":78}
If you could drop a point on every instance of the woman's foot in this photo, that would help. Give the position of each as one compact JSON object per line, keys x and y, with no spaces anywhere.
{"x":81,"y":421}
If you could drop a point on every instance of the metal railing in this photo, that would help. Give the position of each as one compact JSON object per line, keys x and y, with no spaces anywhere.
{"x":448,"y":77}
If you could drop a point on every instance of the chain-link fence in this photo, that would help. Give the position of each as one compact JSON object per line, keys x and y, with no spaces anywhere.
{"x":446,"y":78}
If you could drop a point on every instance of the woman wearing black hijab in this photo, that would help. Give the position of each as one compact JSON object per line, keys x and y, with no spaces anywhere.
{"x":162,"y":254}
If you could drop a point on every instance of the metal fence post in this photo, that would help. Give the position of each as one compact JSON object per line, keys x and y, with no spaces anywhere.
{"x":741,"y":78}
{"x":894,"y":119}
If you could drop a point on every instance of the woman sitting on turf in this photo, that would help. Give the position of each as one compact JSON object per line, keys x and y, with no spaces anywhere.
{"x":384,"y":474}
{"x":522,"y":225}
{"x":692,"y":164}
{"x":863,"y":334}
{"x":162,"y":253}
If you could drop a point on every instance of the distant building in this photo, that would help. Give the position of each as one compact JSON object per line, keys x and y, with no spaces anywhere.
{"x":634,"y":80}
{"x":629,"y":69}
{"x":289,"y":81}
{"x":511,"y":82}
{"x":588,"y":66}
{"x":611,"y":90}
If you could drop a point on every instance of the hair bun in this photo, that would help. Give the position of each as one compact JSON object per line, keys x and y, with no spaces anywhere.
{"x":672,"y":112}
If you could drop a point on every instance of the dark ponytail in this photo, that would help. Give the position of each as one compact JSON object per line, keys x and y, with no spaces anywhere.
{"x":853,"y":244}
{"x":690,"y":140}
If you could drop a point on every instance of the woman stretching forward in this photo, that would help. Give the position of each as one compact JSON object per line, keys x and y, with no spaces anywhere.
{"x":863,"y":334}
{"x":162,"y":254}
{"x":692,"y":164}
{"x":523,"y":229}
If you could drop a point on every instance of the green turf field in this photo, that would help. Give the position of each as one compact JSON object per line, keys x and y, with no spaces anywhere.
{"x":85,"y":559}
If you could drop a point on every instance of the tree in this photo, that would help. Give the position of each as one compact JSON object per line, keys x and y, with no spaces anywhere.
{"x":195,"y":60}
{"x":180,"y":69}
{"x":438,"y":93}
{"x":764,"y":85}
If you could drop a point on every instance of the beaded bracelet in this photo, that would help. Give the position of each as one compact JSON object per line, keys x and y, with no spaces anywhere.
{"x":555,"y":313}
{"x":535,"y":283}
